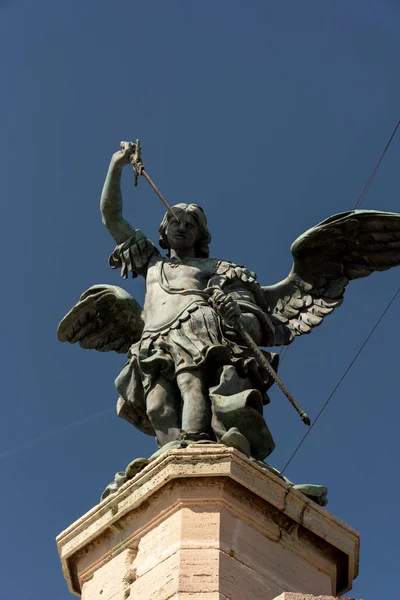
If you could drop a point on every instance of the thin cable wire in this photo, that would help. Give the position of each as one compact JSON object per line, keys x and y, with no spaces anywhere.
{"x":340,"y":380}
{"x":375,"y":170}
{"x":54,"y":433}
{"x":283,"y":353}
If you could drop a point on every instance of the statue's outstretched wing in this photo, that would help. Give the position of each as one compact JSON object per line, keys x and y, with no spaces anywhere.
{"x":346,"y":246}
{"x":105,"y":318}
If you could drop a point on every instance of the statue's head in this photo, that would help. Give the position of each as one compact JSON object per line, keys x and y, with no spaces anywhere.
{"x":190,"y":232}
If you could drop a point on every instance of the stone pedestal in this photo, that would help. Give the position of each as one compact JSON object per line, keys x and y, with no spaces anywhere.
{"x":208,"y":523}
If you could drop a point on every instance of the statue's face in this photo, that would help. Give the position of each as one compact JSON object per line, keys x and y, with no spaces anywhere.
{"x":182,"y":235}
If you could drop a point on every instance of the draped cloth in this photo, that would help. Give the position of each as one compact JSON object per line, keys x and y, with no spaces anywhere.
{"x":197,"y":338}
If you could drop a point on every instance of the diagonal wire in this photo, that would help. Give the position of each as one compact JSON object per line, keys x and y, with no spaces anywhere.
{"x":283,"y":353}
{"x":341,"y":379}
{"x":283,"y":350}
{"x":375,"y":170}
{"x":54,"y":433}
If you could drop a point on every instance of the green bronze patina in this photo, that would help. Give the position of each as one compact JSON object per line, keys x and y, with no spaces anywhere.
{"x":190,"y":376}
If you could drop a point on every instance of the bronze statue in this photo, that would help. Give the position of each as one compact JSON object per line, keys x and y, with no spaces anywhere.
{"x":193,"y":374}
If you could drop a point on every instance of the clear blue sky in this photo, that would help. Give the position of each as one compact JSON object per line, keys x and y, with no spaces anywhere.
{"x":270,"y":115}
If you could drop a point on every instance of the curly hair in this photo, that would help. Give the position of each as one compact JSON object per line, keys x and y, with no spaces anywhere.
{"x":203,"y":241}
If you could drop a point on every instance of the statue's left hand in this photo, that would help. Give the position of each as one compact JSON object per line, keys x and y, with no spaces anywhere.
{"x":225,"y":305}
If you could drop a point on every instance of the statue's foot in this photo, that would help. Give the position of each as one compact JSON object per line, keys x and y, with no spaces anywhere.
{"x":235,"y":439}
{"x":192,"y":437}
{"x":175,"y":444}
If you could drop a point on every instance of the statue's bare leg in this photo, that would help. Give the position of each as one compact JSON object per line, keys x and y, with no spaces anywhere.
{"x":162,"y":405}
{"x":196,"y":409}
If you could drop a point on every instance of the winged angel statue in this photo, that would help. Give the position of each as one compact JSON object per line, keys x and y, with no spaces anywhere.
{"x":190,"y":377}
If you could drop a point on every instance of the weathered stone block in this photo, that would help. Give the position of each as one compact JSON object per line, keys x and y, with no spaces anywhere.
{"x":207,"y":522}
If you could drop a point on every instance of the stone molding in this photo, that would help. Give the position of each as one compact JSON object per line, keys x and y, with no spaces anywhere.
{"x":208,"y":478}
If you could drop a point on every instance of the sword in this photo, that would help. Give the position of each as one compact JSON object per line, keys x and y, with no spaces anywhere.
{"x":265,"y":364}
{"x":138,"y":168}
{"x":215,"y":289}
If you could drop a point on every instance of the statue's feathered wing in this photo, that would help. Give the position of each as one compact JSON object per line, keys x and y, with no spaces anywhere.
{"x":106,"y":318}
{"x":346,"y":246}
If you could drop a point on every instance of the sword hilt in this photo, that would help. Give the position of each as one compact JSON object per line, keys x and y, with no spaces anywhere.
{"x":136,"y":161}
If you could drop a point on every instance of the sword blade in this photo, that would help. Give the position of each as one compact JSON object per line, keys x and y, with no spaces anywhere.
{"x":264,"y":363}
{"x":143,"y":172}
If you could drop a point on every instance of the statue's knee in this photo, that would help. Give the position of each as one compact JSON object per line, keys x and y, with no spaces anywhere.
{"x":153,"y":405}
{"x":185,"y":382}
{"x":157,"y":408}
{"x":190,"y":383}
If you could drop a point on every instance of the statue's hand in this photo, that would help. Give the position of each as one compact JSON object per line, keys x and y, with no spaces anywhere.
{"x":227,"y":308}
{"x":123,"y":157}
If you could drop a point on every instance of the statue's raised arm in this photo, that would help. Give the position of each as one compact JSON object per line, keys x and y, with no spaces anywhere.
{"x":111,"y":196}
{"x":134,"y":250}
